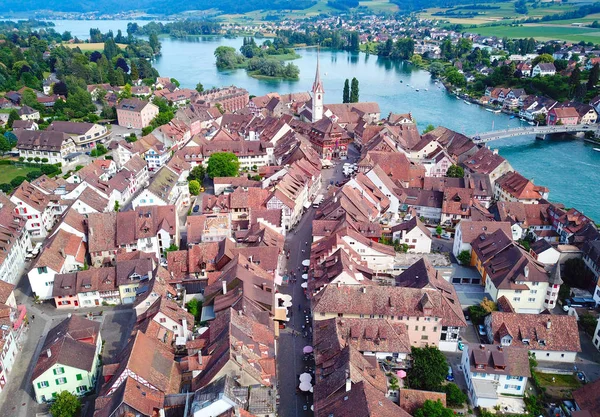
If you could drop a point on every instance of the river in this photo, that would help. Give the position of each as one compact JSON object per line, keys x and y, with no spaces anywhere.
{"x":569,"y":167}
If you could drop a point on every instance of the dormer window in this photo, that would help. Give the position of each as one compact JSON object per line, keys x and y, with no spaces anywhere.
{"x":525,"y":341}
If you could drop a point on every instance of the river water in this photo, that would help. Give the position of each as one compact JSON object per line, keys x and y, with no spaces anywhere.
{"x":569,"y":167}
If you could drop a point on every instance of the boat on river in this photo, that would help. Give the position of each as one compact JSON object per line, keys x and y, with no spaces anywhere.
{"x":597,"y":149}
{"x":493,"y":111}
{"x":467,"y":102}
{"x":417,"y":89}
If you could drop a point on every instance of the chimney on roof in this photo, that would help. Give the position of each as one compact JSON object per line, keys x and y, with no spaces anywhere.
{"x":48,"y":353}
{"x":482,"y":346}
{"x":348,"y":382}
{"x":200,"y":357}
{"x":495,"y":151}
{"x":149,"y":275}
{"x":548,"y":324}
{"x":62,"y":252}
{"x":364,"y":290}
{"x":224,"y":287}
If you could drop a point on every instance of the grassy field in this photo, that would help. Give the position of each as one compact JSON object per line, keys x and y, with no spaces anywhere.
{"x":567,"y":381}
{"x":506,"y":11}
{"x":380,"y":6}
{"x":91,"y":46}
{"x":8,"y":172}
{"x":541,"y":32}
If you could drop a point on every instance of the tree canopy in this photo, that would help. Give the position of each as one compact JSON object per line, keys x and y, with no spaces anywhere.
{"x":433,"y":409}
{"x":65,"y":405}
{"x":223,"y":164}
{"x":454,"y":171}
{"x":429,"y":368}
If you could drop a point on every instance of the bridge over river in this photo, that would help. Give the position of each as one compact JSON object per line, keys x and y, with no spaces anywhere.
{"x":534,"y":130}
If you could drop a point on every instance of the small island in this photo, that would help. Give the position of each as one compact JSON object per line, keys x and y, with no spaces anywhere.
{"x":265,"y":61}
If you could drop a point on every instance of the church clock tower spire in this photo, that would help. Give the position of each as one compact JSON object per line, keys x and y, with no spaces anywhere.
{"x":317,"y":95}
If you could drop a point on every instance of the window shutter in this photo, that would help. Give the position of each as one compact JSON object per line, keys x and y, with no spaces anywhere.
{"x":39,"y":385}
{"x":56,"y":381}
{"x":54,"y":371}
{"x":79,"y":377}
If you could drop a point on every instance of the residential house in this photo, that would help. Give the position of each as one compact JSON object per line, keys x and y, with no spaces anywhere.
{"x":14,"y":241}
{"x":543,"y":69}
{"x":63,"y":252}
{"x":553,"y":338}
{"x":229,"y":98}
{"x":587,"y":400}
{"x":149,"y":229}
{"x":591,"y":257}
{"x":544,"y":252}
{"x":133,"y":276}
{"x":84,"y":135}
{"x":208,"y":228}
{"x":432,"y":317}
{"x":494,"y":371}
{"x":513,"y":187}
{"x":13,"y":328}
{"x":527,"y":220}
{"x":233,"y":331}
{"x":135,"y":113}
{"x":164,"y":189}
{"x":562,"y":116}
{"x":87,"y":288}
{"x":68,"y":360}
{"x":56,"y":147}
{"x":414,"y":234}
{"x":489,"y":163}
{"x":145,"y":358}
{"x":506,"y":269}
{"x":27,"y":113}
{"x":329,"y":139}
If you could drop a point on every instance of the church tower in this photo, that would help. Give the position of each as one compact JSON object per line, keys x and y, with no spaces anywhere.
{"x":317,"y":95}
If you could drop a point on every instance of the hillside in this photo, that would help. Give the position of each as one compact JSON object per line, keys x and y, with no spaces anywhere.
{"x":151,"y":6}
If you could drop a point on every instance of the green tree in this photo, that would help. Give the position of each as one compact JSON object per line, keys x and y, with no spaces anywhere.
{"x":199,"y":87}
{"x":194,"y":187}
{"x":12,"y":117}
{"x":223,"y":164}
{"x":65,"y":405}
{"x":194,"y":307}
{"x":197,"y":173}
{"x":455,"y":172}
{"x":454,"y":396}
{"x":346,"y":94}
{"x":436,"y":69}
{"x":154,"y":43}
{"x":464,"y":257}
{"x":117,"y":206}
{"x":429,"y":128}
{"x":429,"y":368}
{"x":433,"y":409}
{"x":4,"y":144}
{"x":543,"y":58}
{"x":125,"y":91}
{"x":588,"y":323}
{"x":135,"y":74}
{"x":354,"y":91}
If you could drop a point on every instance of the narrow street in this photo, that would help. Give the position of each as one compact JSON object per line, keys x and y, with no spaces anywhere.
{"x":292,"y":402}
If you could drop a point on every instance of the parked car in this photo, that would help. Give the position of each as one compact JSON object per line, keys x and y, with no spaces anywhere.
{"x":446,"y":236}
{"x":196,"y":209}
{"x":450,"y":376}
{"x":481,"y":330}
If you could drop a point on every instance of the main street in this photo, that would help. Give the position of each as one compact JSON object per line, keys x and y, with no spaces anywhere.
{"x":290,"y":363}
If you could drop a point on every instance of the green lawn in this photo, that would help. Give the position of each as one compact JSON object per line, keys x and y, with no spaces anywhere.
{"x":8,"y":172}
{"x":567,"y":381}
{"x":541,"y":33}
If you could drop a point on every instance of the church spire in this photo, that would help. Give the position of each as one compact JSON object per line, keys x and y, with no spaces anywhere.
{"x":318,"y":85}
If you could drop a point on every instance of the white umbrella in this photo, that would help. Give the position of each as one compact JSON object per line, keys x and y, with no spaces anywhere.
{"x":311,"y":389}
{"x":306,"y":262}
{"x":307,"y":349}
{"x":304,"y":276}
{"x":304,"y":285}
{"x":305,"y":386}
{"x":287,"y":304}
{"x":305,"y":377}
